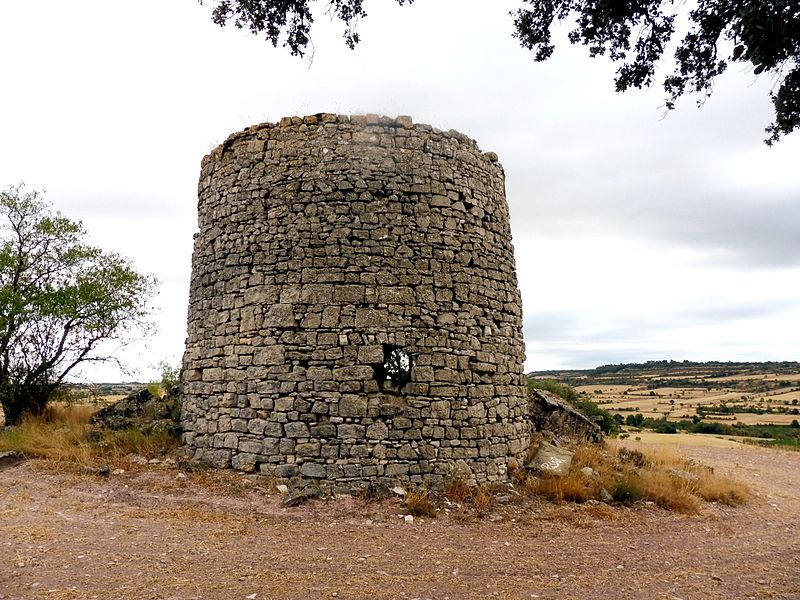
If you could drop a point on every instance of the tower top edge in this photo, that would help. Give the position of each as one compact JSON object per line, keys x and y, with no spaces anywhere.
{"x":361,"y":120}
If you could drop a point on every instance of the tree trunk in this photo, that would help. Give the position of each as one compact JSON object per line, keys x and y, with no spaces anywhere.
{"x":19,"y":401}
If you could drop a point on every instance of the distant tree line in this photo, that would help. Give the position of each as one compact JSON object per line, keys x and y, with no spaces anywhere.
{"x":781,"y":434}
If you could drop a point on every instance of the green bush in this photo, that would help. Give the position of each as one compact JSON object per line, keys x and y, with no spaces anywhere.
{"x":627,"y":490}
{"x":634,"y":420}
{"x":580,"y":402}
{"x":562,"y":390}
{"x":665,"y":426}
{"x":169,"y":379}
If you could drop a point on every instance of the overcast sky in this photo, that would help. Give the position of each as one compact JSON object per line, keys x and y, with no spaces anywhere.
{"x":638,"y":235}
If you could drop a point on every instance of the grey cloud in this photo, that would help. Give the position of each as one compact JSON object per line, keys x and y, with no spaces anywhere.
{"x":577,"y":341}
{"x":588,"y":358}
{"x":558,"y":327}
{"x":749,"y":229}
{"x":716,"y":312}
{"x":743,"y":230}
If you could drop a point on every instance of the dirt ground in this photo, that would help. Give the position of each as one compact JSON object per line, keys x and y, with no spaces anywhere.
{"x":155,"y":534}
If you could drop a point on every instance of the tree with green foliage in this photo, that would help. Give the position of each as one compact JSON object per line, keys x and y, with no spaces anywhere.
{"x":169,"y":379}
{"x":763,"y":34}
{"x":60,"y":299}
{"x":634,"y":420}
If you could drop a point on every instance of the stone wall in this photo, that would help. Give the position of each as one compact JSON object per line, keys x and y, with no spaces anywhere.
{"x":354,"y":314}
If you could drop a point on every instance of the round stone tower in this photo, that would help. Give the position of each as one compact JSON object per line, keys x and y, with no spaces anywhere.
{"x":354,"y":314}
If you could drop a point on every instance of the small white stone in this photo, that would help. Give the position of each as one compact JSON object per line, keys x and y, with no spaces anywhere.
{"x":399,"y":491}
{"x":117,"y":471}
{"x":282,"y":488}
{"x":408,"y":518}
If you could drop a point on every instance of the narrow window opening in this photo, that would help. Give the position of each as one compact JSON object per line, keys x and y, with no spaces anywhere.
{"x":396,"y":367}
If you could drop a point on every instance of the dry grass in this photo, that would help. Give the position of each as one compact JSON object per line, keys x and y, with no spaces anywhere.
{"x":560,"y":489}
{"x":69,"y":413}
{"x":481,"y":499}
{"x":457,"y":490}
{"x":660,"y":476}
{"x":478,"y":498}
{"x":419,"y":503}
{"x":52,"y":440}
{"x":713,"y":488}
{"x":668,"y":491}
{"x":61,"y":435}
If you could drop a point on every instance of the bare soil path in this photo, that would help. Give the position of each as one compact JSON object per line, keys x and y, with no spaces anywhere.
{"x":152,"y":535}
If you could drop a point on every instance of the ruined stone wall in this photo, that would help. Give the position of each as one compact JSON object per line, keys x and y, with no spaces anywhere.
{"x":328,"y":247}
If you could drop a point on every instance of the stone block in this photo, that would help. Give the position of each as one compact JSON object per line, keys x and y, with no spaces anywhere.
{"x":406,"y":452}
{"x":212,"y":375}
{"x":353,"y":373}
{"x":251,"y":446}
{"x":286,"y":470}
{"x":477,"y":411}
{"x":350,"y":431}
{"x":395,"y":469}
{"x":370,"y":354}
{"x":308,"y":449}
{"x":440,"y":409}
{"x":371,"y":318}
{"x":552,"y":459}
{"x":377,"y":431}
{"x":352,"y":405}
{"x":270,"y":355}
{"x":313,"y":470}
{"x":359,"y":451}
{"x":323,"y":430}
{"x":273,"y":429}
{"x":349,"y":294}
{"x":422,"y":373}
{"x":244,"y":462}
{"x":280,"y":316}
{"x":319,"y":374}
{"x":296,"y":430}
{"x":316,"y":293}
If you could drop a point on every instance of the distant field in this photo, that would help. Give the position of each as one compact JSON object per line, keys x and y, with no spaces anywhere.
{"x":102,"y":393}
{"x":761,"y":377}
{"x":746,"y":393}
{"x":684,"y":439}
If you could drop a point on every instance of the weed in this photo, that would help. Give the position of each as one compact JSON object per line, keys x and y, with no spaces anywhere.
{"x":61,"y":434}
{"x":627,"y":489}
{"x":628,"y":475}
{"x":668,"y":491}
{"x":481,"y":499}
{"x":457,"y":489}
{"x":633,"y":457}
{"x":116,"y":444}
{"x":713,"y":488}
{"x":601,"y":512}
{"x":572,"y":488}
{"x":419,"y":503}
